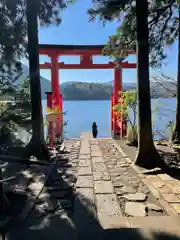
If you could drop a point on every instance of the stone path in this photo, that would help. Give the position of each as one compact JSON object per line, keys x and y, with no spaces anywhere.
{"x":51,"y":202}
{"x":134,"y":197}
{"x":57,"y":194}
{"x":164,"y":187}
{"x":95,"y":193}
{"x":119,"y":197}
{"x":93,"y":181}
{"x":168,"y":189}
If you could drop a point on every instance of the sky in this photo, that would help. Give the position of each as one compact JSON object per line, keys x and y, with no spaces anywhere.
{"x":76,"y":29}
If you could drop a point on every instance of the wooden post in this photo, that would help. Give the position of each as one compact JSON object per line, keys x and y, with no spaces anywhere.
{"x":56,"y":90}
{"x":50,"y":124}
{"x":117,"y":88}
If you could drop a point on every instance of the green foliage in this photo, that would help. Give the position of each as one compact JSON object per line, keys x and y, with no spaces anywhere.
{"x":127,"y":104}
{"x":108,"y":10}
{"x":17,"y":19}
{"x":163,"y":26}
{"x":17,"y":110}
{"x":3,"y":107}
{"x":13,"y":25}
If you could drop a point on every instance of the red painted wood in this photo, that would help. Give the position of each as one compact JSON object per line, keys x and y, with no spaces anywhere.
{"x":77,"y":50}
{"x":112,"y":113}
{"x":50,"y":126}
{"x":56,"y":90}
{"x":84,"y":65}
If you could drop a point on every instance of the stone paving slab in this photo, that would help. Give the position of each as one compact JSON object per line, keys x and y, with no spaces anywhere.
{"x":84,"y":162}
{"x":86,"y":135}
{"x":96,"y":154}
{"x":103,"y":187}
{"x":84,"y":182}
{"x":99,"y":167}
{"x":85,"y":201}
{"x":85,"y":151}
{"x":96,"y":160}
{"x":84,"y":156}
{"x":87,"y":193}
{"x":98,"y":176}
{"x":109,"y":212}
{"x":84,"y":171}
{"x":163,"y":224}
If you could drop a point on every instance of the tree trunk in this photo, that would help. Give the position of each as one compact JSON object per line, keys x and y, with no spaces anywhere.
{"x":1,"y":196}
{"x":176,"y":134}
{"x":37,"y":146}
{"x":147,"y":156}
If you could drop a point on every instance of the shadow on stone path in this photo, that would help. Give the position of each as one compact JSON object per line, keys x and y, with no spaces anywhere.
{"x":59,"y":226}
{"x":77,"y":218}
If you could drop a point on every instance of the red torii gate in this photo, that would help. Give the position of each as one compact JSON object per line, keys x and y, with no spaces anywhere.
{"x":86,"y":52}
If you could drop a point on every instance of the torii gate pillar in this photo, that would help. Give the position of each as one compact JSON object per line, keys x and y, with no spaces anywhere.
{"x":57,"y":96}
{"x":118,"y":124}
{"x":54,"y":73}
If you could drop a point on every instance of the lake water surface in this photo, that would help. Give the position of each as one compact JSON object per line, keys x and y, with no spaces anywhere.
{"x":81,"y":114}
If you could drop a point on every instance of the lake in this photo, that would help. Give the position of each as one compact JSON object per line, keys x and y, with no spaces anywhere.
{"x":81,"y":114}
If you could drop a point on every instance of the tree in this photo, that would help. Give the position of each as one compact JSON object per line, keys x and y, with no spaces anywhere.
{"x":176,"y":134}
{"x":13,"y":23}
{"x":163,"y":31}
{"x":37,"y":144}
{"x":14,"y":46}
{"x":16,"y":113}
{"x":148,"y":156}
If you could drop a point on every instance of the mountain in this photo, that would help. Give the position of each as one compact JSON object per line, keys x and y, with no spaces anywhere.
{"x":103,"y":91}
{"x":45,"y":83}
{"x":166,"y":89}
{"x":86,"y":91}
{"x":96,"y":91}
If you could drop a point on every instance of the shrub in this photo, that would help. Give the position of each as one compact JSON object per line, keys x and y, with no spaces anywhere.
{"x":127,"y":107}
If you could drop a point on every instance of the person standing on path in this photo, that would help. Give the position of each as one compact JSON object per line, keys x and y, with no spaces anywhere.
{"x":94,"y":130}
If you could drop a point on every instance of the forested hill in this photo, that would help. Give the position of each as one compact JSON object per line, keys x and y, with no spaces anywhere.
{"x":86,"y":91}
{"x":97,"y":91}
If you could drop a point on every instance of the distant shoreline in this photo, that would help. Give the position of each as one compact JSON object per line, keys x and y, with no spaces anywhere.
{"x":110,"y":99}
{"x":76,"y":100}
